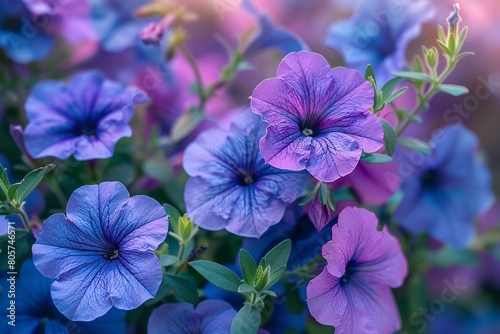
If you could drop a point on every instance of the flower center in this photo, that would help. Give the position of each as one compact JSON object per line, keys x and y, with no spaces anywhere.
{"x":430,"y":179}
{"x":246,"y":178}
{"x":307,"y":132}
{"x":348,"y":273}
{"x":111,"y":255}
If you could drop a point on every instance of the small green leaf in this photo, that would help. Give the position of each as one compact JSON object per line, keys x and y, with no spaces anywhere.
{"x":370,"y":75}
{"x":462,"y":37}
{"x":375,"y":158}
{"x":246,"y":289}
{"x":445,"y":48}
{"x":414,"y":76}
{"x":185,"y":125}
{"x":12,"y":190}
{"x":269,"y":293}
{"x":415,"y":145}
{"x":463,"y":55}
{"x":390,"y":137}
{"x":454,"y":90}
{"x":275,"y":276}
{"x":4,"y":184}
{"x":248,"y":266}
{"x":246,"y":321}
{"x":31,"y":181}
{"x":279,"y":255}
{"x":397,"y":94}
{"x":183,"y":287}
{"x":310,"y":196}
{"x":217,"y":274}
{"x":173,"y":217}
{"x":323,"y":193}
{"x":389,"y":87}
{"x":168,"y":260}
{"x":441,"y":34}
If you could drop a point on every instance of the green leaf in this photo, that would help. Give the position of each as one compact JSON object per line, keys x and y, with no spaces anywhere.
{"x":310,"y":196}
{"x":323,"y":194}
{"x":279,"y":255}
{"x":390,"y":137}
{"x":173,"y":217}
{"x":375,"y":158}
{"x":275,"y":276}
{"x":370,"y":75}
{"x":445,"y":48}
{"x":447,"y":257}
{"x":414,"y":76}
{"x":462,"y":37}
{"x":246,"y":321}
{"x":31,"y":181}
{"x":185,"y":125}
{"x":183,"y":287}
{"x":168,"y":260}
{"x":4,"y":184}
{"x":441,"y":34}
{"x":12,"y":190}
{"x":397,"y":94}
{"x":248,"y":266}
{"x":246,"y":289}
{"x":217,"y":274}
{"x":415,"y":145}
{"x":389,"y":87}
{"x":463,"y":55}
{"x":455,"y":90}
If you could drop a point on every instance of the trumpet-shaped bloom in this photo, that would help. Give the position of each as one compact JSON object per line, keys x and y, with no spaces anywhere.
{"x":231,"y":187}
{"x":210,"y":316}
{"x":85,"y":117}
{"x":101,"y":253}
{"x":353,"y":291}
{"x":378,"y":34}
{"x":447,"y":190}
{"x":318,"y":118}
{"x":35,"y":310}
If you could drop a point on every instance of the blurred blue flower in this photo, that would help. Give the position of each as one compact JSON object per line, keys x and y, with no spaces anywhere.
{"x":85,"y":117}
{"x":231,"y":187}
{"x":22,"y":37}
{"x":210,"y":316}
{"x":34,"y":309}
{"x":447,"y":190}
{"x":270,"y":35}
{"x":378,"y":33}
{"x":101,"y":252}
{"x":115,"y":25}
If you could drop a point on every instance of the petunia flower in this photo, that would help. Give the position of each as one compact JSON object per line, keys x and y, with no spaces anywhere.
{"x":447,"y":189}
{"x":353,"y":291}
{"x":101,"y":253}
{"x":378,"y":34}
{"x":85,"y":117}
{"x":318,"y":117}
{"x":35,"y":312}
{"x":22,"y":37}
{"x":210,"y":316}
{"x":231,"y":187}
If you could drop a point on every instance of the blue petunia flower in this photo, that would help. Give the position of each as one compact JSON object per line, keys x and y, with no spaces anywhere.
{"x":35,"y":312}
{"x":209,"y":317}
{"x":231,"y":187}
{"x":101,"y":252}
{"x":378,"y":34}
{"x":447,"y":190}
{"x":85,"y":117}
{"x":270,"y":35}
{"x":115,"y":25}
{"x":22,"y":38}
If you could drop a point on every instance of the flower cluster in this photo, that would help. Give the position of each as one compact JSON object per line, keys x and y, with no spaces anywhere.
{"x":212,"y":167}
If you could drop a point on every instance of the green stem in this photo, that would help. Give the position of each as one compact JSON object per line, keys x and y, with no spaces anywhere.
{"x":56,"y":189}
{"x":180,"y":255}
{"x":199,"y":81}
{"x":429,"y":94}
{"x":24,"y":218}
{"x":305,"y":272}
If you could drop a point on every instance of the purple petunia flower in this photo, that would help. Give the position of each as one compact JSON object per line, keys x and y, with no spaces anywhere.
{"x":318,"y":117}
{"x":378,"y":34}
{"x":101,"y":252}
{"x":231,"y":187}
{"x":353,"y":291}
{"x":35,"y":312}
{"x":85,"y":117}
{"x":447,"y":189}
{"x":210,"y":316}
